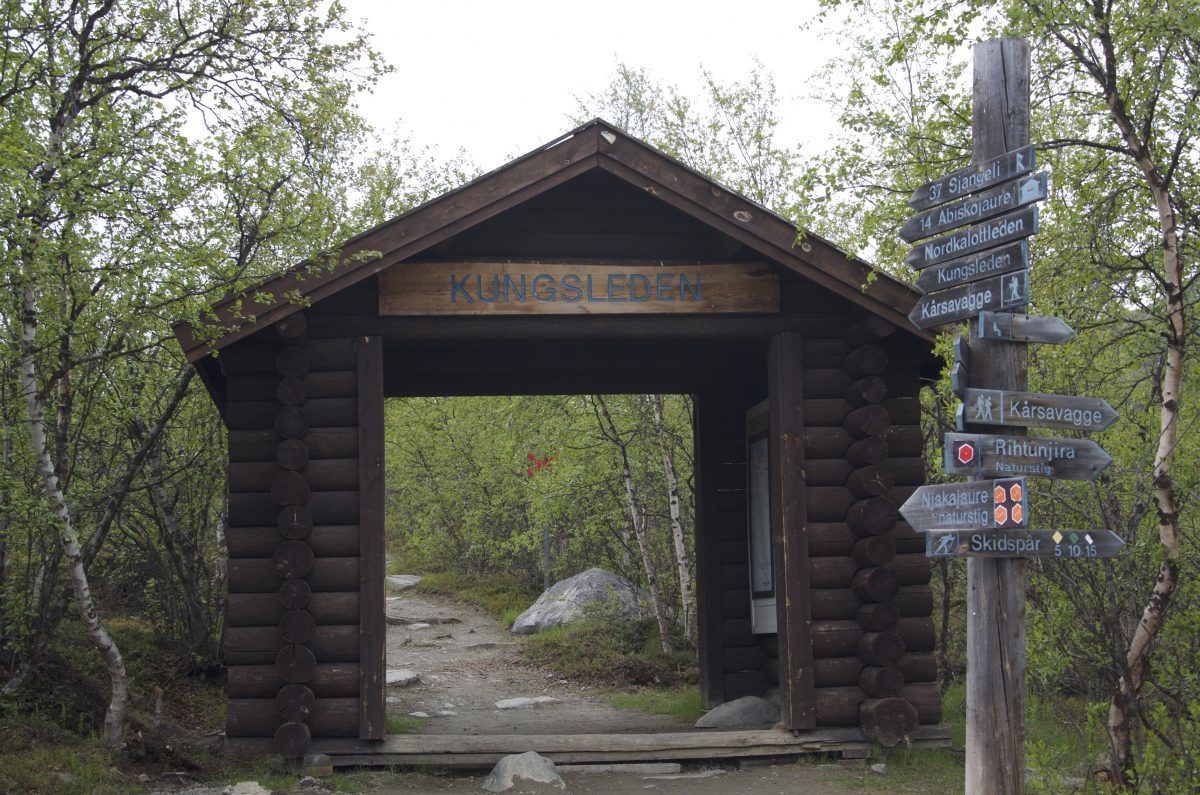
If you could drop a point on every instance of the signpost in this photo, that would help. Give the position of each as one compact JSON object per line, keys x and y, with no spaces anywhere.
{"x":978,"y":505}
{"x":1028,"y":409}
{"x":989,"y":234}
{"x":975,"y":177}
{"x":960,"y":303}
{"x":981,"y":272}
{"x":975,"y":208}
{"x":992,"y":455}
{"x":1022,"y":328}
{"x":972,"y":268}
{"x":1037,"y":543}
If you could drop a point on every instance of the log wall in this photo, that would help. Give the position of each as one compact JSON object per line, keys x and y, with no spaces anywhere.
{"x":293,"y":643}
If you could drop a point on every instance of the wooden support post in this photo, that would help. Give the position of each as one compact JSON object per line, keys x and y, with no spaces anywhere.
{"x":995,"y":735}
{"x":708,"y":548}
{"x":789,"y":529}
{"x":372,"y":554}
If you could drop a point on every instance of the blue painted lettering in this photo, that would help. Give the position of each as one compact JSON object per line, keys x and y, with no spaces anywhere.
{"x":613,"y":286}
{"x":664,"y":290}
{"x":495,"y":289}
{"x":550,"y":294}
{"x":571,"y":293}
{"x":686,"y":286}
{"x":639,"y":280}
{"x":457,"y":286}
{"x":592,"y":298}
{"x":518,"y":291}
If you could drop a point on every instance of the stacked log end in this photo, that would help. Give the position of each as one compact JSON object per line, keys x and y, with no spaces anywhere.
{"x":292,"y":641}
{"x":870,"y":595}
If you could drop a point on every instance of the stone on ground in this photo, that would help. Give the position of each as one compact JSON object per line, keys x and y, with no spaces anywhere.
{"x":402,"y":582}
{"x":523,"y":702}
{"x":566,"y":601}
{"x":530,"y":766}
{"x":248,"y":788}
{"x":400,"y":677}
{"x":741,"y":713}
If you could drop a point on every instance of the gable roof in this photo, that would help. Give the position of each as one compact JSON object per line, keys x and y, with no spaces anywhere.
{"x":594,"y":145}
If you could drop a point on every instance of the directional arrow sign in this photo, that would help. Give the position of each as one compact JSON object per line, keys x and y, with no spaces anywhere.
{"x":974,"y":178}
{"x":1022,"y":328}
{"x":989,"y":234}
{"x":1028,"y":409}
{"x":990,"y":455}
{"x":973,"y":209}
{"x":972,"y":268}
{"x":1022,"y":543}
{"x":979,"y":505}
{"x":960,"y":303}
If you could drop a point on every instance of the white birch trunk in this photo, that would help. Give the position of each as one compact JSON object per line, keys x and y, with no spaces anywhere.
{"x":69,"y":538}
{"x":683,"y":562}
{"x":638,"y":519}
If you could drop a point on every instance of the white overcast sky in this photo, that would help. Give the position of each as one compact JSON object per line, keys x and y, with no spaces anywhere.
{"x":498,"y":79}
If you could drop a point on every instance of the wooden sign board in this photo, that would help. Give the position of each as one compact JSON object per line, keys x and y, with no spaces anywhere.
{"x":958,"y":371}
{"x":1034,"y":409}
{"x":1022,"y":543}
{"x":1022,"y":328}
{"x":989,"y":234}
{"x":991,"y":455}
{"x":973,"y":209}
{"x":960,"y":303}
{"x":530,"y":288}
{"x":972,"y":268}
{"x":978,"y":505}
{"x":974,"y":178}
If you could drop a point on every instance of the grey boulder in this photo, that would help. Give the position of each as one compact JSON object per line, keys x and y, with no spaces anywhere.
{"x":741,"y":713}
{"x":530,"y":766}
{"x":567,"y":600}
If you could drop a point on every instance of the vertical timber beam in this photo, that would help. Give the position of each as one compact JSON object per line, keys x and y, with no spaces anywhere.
{"x":372,"y":629}
{"x":995,"y":763}
{"x":708,"y":552}
{"x":789,"y":531}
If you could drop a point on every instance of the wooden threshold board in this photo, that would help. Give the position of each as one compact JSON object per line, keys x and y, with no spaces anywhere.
{"x":484,"y":750}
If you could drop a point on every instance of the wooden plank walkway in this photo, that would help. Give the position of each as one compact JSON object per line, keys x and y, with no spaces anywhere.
{"x":445,"y":750}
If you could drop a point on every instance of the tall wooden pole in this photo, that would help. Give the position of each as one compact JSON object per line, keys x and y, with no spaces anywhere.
{"x":996,"y":586}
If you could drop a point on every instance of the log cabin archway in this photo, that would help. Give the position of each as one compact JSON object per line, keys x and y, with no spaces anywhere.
{"x":593,"y":264}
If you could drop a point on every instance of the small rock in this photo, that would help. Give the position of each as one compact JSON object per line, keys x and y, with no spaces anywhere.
{"x":399,"y":677}
{"x":205,"y":791}
{"x":740,"y":713}
{"x":249,"y":788}
{"x":310,"y":784}
{"x":419,"y":625}
{"x":446,"y":713}
{"x":447,"y":705}
{"x":143,"y":778}
{"x":402,"y":582}
{"x":530,"y":766}
{"x":419,"y":714}
{"x":880,"y":768}
{"x":394,"y":699}
{"x":525,"y":701}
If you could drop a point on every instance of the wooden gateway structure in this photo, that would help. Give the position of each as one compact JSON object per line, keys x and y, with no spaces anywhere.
{"x":595,"y":264}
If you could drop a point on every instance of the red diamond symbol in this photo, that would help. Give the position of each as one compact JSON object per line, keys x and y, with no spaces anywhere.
{"x":966,"y":453}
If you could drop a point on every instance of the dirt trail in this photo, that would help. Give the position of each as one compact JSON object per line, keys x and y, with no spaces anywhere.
{"x":467,"y":663}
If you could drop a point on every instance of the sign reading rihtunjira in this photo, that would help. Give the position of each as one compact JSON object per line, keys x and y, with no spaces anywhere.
{"x":524,"y":288}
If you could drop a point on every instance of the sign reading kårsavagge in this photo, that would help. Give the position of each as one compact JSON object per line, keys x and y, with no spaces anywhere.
{"x":1034,"y":409}
{"x":964,"y":301}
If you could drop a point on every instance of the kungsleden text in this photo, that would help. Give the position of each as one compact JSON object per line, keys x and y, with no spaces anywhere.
{"x":574,"y":288}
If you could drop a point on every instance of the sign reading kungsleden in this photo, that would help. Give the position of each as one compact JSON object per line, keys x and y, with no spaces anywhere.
{"x":558,"y":288}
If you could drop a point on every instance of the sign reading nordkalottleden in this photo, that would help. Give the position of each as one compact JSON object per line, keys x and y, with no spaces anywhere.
{"x":524,"y":288}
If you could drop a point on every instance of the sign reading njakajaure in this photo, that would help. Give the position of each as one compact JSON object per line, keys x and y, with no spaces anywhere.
{"x":524,"y":288}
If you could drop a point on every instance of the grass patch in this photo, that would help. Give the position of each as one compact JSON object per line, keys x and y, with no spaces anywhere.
{"x":403,"y":724}
{"x":620,"y":653}
{"x":41,"y":757}
{"x":503,"y":596}
{"x":682,"y":703}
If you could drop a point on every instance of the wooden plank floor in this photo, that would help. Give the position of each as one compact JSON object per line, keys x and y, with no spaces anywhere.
{"x":485,"y":750}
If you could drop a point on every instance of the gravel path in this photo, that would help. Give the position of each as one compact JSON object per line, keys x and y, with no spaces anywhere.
{"x":467,"y":663}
